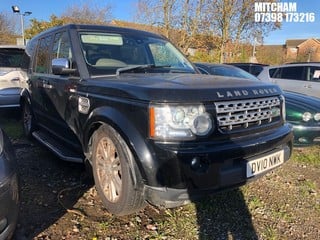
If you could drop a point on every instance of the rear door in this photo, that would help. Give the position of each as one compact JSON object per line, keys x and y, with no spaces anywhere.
{"x":38,"y":80}
{"x":291,"y":78}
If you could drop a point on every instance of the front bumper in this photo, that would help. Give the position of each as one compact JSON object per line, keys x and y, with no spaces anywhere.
{"x":306,"y":135}
{"x":188,"y":172}
{"x":9,"y":206}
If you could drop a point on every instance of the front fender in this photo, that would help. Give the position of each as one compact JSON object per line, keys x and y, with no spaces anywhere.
{"x":134,"y":139}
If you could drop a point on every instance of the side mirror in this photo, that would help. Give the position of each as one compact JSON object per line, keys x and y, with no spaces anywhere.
{"x":61,"y":66}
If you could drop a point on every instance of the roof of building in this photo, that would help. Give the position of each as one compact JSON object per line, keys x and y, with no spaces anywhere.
{"x":297,"y":42}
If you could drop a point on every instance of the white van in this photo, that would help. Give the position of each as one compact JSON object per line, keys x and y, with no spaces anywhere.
{"x":296,"y":77}
{"x":12,"y":75}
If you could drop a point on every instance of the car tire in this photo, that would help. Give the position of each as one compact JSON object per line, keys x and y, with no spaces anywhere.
{"x":114,"y":171}
{"x":29,"y":124}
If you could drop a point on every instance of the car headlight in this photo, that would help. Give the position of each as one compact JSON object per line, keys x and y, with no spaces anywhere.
{"x":306,"y":116}
{"x":178,"y":122}
{"x":316,"y":117}
{"x":283,"y":110}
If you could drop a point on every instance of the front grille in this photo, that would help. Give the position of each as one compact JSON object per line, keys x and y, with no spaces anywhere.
{"x":234,"y":115}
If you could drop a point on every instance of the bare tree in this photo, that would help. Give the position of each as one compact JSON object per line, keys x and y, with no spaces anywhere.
{"x":233,"y":21}
{"x":228,"y":23}
{"x":83,"y":14}
{"x":88,"y":13}
{"x":7,"y":29}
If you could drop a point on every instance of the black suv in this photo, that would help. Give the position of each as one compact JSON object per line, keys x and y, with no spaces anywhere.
{"x":129,"y":103}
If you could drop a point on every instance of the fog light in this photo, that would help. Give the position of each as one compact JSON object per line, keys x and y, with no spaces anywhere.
{"x":306,"y":116}
{"x":3,"y":224}
{"x":317,"y":117}
{"x":195,"y":163}
{"x":303,"y":140}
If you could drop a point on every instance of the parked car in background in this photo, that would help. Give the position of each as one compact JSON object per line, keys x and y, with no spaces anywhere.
{"x":302,"y":111}
{"x":253,"y":68}
{"x":9,"y":191}
{"x":12,"y":75}
{"x":296,"y":77}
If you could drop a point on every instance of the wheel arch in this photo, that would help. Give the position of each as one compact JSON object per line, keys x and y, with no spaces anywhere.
{"x":25,"y":97}
{"x":131,"y":136}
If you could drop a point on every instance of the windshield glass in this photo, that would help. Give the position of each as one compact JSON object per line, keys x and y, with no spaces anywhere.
{"x":10,"y":57}
{"x":231,"y":72}
{"x":105,"y":53}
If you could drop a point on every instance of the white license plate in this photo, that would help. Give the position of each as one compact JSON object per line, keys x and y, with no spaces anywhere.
{"x":260,"y":165}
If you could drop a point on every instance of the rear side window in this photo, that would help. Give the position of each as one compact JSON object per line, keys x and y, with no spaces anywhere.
{"x":295,"y":73}
{"x":11,"y":57}
{"x":41,"y":64}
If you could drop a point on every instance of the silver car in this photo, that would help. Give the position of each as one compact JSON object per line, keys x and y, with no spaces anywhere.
{"x":296,"y":77}
{"x":12,"y":75}
{"x":9,"y":193}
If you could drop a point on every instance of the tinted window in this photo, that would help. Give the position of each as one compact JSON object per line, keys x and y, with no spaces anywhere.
{"x":10,"y":57}
{"x":275,"y":72}
{"x":256,"y":70}
{"x":202,"y":71}
{"x":41,"y":64}
{"x":295,"y":73}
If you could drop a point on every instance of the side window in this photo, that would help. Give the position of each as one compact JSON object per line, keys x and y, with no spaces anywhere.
{"x":202,"y":71}
{"x":313,"y":73}
{"x":256,"y":70}
{"x":275,"y":72}
{"x":61,"y":46}
{"x":295,"y":73}
{"x":41,"y":64}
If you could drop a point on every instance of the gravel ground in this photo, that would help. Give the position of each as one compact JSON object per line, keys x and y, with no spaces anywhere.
{"x":58,"y":201}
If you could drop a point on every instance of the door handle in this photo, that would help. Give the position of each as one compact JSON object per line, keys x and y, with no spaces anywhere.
{"x":307,"y":86}
{"x":46,"y":84}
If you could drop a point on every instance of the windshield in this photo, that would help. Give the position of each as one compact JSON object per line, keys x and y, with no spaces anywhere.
{"x":106,"y":53}
{"x":231,"y":72}
{"x":11,"y":57}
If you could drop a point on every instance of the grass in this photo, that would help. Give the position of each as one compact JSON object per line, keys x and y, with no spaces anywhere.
{"x":225,"y":215}
{"x":11,"y":125}
{"x":307,"y":155}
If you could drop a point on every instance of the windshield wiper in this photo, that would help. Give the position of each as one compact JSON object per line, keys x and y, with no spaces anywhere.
{"x":142,"y":66}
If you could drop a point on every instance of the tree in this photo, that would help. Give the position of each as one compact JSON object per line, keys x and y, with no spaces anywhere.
{"x":88,"y":13}
{"x":178,"y":20}
{"x":233,"y":21}
{"x":7,"y":34}
{"x":81,"y":14}
{"x":183,"y":21}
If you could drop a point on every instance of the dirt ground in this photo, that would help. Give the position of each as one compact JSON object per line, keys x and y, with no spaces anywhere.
{"x":58,"y":201}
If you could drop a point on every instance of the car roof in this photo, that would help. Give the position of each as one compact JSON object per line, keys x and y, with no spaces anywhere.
{"x":294,"y":65}
{"x":107,"y":28}
{"x":12,"y":46}
{"x":248,"y":64}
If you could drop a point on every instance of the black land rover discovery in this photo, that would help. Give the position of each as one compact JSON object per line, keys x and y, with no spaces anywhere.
{"x":152,"y":128}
